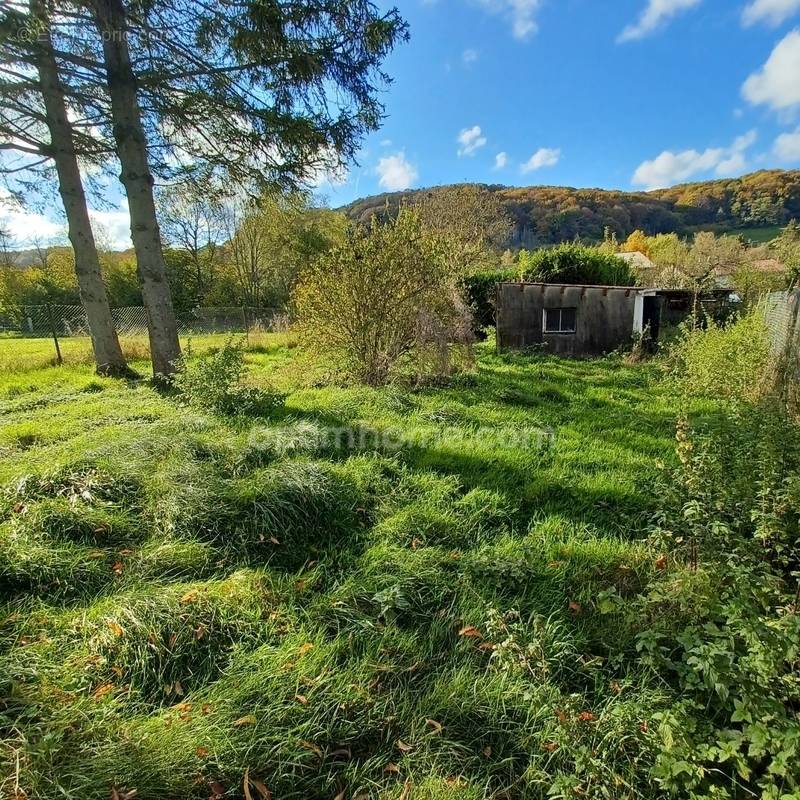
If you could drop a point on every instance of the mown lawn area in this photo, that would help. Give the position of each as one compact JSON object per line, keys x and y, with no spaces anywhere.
{"x":194,"y":608}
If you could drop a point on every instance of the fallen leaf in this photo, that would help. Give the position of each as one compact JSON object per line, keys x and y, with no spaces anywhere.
{"x":486,"y":646}
{"x":315,"y":748}
{"x":437,"y":726}
{"x":304,"y":648}
{"x":661,"y":563}
{"x":302,"y":699}
{"x":121,"y":794}
{"x":550,"y":746}
{"x":246,"y":720}
{"x":218,"y":790}
{"x":273,"y":540}
{"x":615,"y":687}
{"x":575,"y":608}
{"x":470,"y":631}
{"x":406,"y":793}
{"x":116,"y":568}
{"x":561,"y":716}
{"x":178,"y":689}
{"x":263,"y":792}
{"x":189,"y":597}
{"x":115,"y":628}
{"x":391,"y":769}
{"x":103,"y":690}
{"x":487,"y":751}
{"x":403,"y":747}
{"x":643,"y":727}
{"x":202,"y":752}
{"x":586,"y":716}
{"x":416,"y":543}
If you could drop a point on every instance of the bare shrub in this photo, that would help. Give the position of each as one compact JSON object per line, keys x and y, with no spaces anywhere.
{"x":366,"y":304}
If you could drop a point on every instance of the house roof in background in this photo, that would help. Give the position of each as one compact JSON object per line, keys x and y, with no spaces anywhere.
{"x":637,"y":260}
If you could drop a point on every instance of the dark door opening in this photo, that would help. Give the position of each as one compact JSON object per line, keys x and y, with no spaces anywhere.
{"x":652,"y":316}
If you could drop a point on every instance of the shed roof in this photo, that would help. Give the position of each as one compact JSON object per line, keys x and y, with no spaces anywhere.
{"x":580,"y":286}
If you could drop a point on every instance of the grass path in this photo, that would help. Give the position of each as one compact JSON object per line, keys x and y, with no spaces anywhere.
{"x":194,"y":609}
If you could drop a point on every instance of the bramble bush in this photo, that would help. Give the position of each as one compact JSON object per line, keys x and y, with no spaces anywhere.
{"x":719,"y":621}
{"x":724,"y":360}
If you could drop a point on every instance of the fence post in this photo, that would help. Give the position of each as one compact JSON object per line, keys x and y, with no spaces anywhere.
{"x":246,"y":325}
{"x":59,"y":360}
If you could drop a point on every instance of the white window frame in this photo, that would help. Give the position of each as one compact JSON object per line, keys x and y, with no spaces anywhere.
{"x":560,"y":331}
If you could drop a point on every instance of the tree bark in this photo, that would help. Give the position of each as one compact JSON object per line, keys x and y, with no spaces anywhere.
{"x":105,"y":343}
{"x":137,"y":179}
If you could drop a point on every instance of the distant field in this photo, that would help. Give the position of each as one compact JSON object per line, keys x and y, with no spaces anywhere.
{"x":23,"y":353}
{"x":755,"y":235}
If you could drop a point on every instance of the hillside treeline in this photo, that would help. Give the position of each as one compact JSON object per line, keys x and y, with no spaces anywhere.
{"x":551,"y":214}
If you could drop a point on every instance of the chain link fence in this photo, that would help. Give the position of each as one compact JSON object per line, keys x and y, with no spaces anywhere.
{"x":67,"y":321}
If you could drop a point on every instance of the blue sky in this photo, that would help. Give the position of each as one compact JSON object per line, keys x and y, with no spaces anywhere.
{"x":627,"y":94}
{"x":623,"y":94}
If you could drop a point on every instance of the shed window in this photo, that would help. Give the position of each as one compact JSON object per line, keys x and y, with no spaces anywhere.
{"x":560,"y":320}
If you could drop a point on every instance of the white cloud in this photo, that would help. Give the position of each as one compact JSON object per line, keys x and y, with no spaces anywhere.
{"x":521,"y":14}
{"x":327,"y":171}
{"x":501,"y":161}
{"x":112,"y":228}
{"x":670,"y":168}
{"x":787,"y":147}
{"x":777,"y":83}
{"x":469,"y":56}
{"x":386,"y":143}
{"x":544,"y":157}
{"x":395,"y":172}
{"x":772,"y":12}
{"x":471,"y":140}
{"x":655,"y":14}
{"x":27,"y":228}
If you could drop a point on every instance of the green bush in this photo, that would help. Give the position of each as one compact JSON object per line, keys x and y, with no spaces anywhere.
{"x":574,"y":263}
{"x":216,"y":381}
{"x":480,"y":290}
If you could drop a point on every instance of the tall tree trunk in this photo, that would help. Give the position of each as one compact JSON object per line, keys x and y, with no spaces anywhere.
{"x":105,"y":344}
{"x":137,"y":179}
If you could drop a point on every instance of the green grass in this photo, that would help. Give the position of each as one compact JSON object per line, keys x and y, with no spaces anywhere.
{"x":188,"y":603}
{"x":760,"y":235}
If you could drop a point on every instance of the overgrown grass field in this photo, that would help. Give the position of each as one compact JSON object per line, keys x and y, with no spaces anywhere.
{"x":422,"y":608}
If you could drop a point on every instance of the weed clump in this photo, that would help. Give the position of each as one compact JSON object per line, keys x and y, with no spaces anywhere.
{"x":216,"y":381}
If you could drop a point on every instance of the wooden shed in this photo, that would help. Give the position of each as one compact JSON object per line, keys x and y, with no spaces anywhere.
{"x":574,"y":320}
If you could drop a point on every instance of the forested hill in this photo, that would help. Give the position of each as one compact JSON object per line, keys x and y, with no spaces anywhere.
{"x":551,"y":214}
